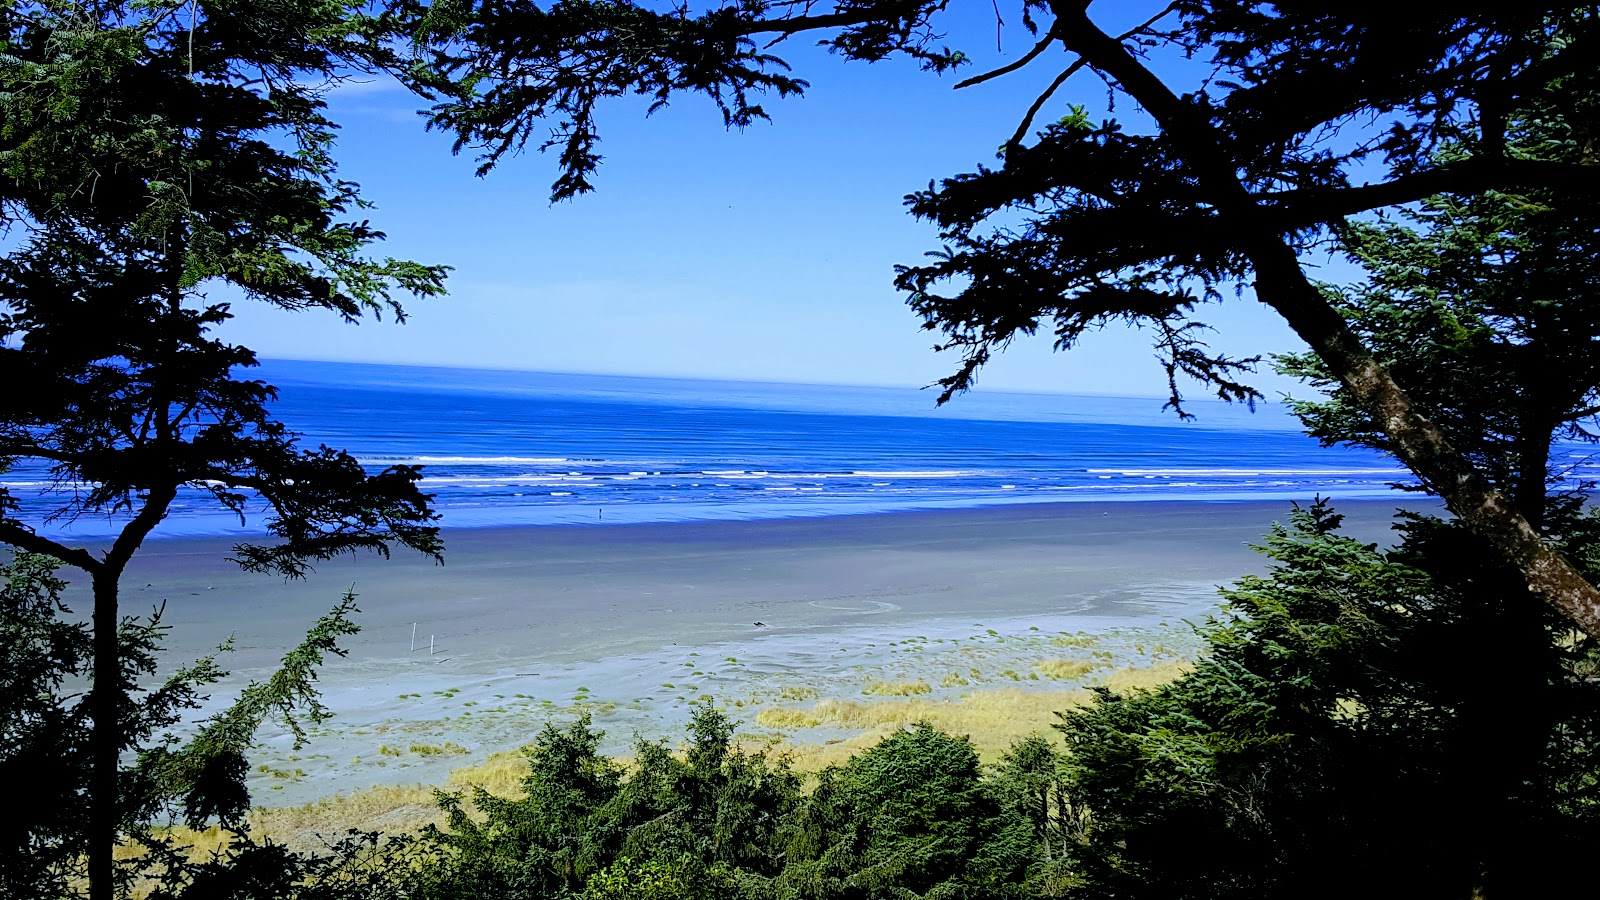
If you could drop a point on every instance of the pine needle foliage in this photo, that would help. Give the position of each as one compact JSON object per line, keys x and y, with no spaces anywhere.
{"x":1398,"y":715}
{"x":153,"y":152}
{"x":174,"y":771}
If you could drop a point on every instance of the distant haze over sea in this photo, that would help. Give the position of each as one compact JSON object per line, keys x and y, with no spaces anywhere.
{"x":524,"y":448}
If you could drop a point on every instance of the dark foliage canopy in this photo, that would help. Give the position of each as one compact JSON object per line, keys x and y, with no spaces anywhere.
{"x":1391,"y":724}
{"x":153,"y":152}
{"x":914,"y":816}
{"x":1483,"y":306}
{"x":45,"y":748}
{"x":150,"y":153}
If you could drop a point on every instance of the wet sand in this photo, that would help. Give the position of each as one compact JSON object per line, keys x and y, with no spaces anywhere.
{"x":537,"y":614}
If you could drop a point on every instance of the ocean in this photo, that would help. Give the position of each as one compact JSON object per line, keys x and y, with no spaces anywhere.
{"x":524,"y":448}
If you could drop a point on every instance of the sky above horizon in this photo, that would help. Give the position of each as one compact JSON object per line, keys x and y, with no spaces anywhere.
{"x":762,"y":255}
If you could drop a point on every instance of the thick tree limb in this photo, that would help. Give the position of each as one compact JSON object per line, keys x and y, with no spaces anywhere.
{"x":1282,"y":284}
{"x":134,"y":533}
{"x":1468,"y":176}
{"x":16,"y":535}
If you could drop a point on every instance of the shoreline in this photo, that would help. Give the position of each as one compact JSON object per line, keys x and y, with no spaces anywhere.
{"x":709,"y":579}
{"x":469,"y":518}
{"x":535,"y":622}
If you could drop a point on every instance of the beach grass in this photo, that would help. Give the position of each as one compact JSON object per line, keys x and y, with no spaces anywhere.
{"x":386,"y":808}
{"x":904,"y":688}
{"x":1068,"y":669}
{"x":827,"y":732}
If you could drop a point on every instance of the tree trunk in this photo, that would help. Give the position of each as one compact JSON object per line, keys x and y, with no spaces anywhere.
{"x":1066,"y":815}
{"x":105,"y":738}
{"x":1044,"y":820}
{"x":1418,"y":442}
{"x":106,"y":695}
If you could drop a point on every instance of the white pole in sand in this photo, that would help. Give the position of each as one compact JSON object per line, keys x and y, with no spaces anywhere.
{"x":430,"y":645}
{"x":413,"y":637}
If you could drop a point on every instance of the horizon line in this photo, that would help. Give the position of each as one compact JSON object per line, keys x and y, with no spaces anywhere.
{"x":755,"y":381}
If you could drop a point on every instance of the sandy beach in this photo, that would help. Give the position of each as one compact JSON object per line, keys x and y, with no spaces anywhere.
{"x":633,"y":622}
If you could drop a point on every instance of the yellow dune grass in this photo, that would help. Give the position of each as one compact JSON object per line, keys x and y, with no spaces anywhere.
{"x":1068,"y":669}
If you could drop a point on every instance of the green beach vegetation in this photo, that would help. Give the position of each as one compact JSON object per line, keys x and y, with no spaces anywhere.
{"x":1421,"y":721}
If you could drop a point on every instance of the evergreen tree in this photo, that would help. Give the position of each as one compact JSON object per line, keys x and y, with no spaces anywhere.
{"x":546,"y":843}
{"x":1400,"y":712}
{"x":151,"y":152}
{"x":1483,"y":305}
{"x":1032,"y":781}
{"x":700,"y":824}
{"x":1390,"y":724}
{"x":718,"y":803}
{"x":910,"y":817}
{"x":41,"y":734}
{"x":46,"y":744}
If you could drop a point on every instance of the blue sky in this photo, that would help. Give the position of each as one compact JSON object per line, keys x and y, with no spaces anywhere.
{"x":758,"y":255}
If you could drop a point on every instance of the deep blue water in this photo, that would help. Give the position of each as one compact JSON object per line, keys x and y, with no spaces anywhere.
{"x":528,"y":448}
